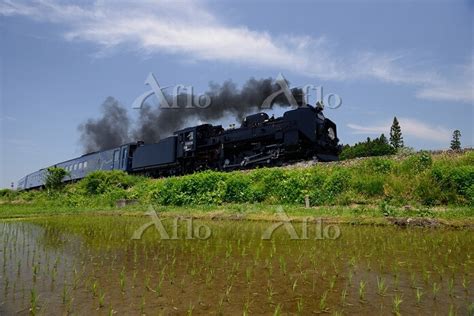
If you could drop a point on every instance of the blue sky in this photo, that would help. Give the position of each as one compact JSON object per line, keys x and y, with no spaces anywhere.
{"x":60,"y":60}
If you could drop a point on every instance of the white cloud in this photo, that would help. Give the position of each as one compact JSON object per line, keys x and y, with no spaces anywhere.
{"x":191,"y":30}
{"x":410,"y":127}
{"x":457,"y":89}
{"x":371,"y":130}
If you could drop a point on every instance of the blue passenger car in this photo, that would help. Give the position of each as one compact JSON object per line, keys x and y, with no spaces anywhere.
{"x":118,"y":158}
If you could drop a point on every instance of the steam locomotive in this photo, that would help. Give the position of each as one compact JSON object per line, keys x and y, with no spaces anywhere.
{"x":300,"y":134}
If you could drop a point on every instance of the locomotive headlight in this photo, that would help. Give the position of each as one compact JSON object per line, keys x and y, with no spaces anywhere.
{"x":331,"y":133}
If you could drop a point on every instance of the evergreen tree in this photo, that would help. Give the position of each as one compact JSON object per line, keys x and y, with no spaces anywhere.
{"x":456,"y":142}
{"x":396,"y":138}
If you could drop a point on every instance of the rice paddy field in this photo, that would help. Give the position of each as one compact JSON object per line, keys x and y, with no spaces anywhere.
{"x":91,"y":265}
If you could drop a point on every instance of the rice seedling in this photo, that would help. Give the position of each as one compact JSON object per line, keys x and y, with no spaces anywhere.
{"x":295,"y":284}
{"x":142,"y":306}
{"x":361,"y":291}
{"x":323,"y":302}
{"x":122,"y":280}
{"x":381,"y":286}
{"x":397,"y":301}
{"x":277,"y":311}
{"x":190,"y":310}
{"x":248,"y":275}
{"x":33,"y":302}
{"x":221,"y":304}
{"x":436,"y":288}
{"x":101,"y":299}
{"x":94,"y":288}
{"x":227,"y":292}
{"x":299,"y":305}
{"x":344,"y":296}
{"x":332,"y":282}
{"x":413,"y":279}
{"x":419,"y":295}
{"x":65,"y":294}
{"x":270,"y":292}
{"x":470,"y":309}
{"x":246,"y":307}
{"x":452,"y":310}
{"x":465,"y":283}
{"x":350,"y":276}
{"x":451,"y":287}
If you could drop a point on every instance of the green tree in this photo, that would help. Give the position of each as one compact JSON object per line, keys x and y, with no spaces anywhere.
{"x":396,"y":138}
{"x":54,"y":178}
{"x":456,"y":142}
{"x":377,"y":147}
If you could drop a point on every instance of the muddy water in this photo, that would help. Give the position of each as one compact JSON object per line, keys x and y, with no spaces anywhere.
{"x":91,"y":265}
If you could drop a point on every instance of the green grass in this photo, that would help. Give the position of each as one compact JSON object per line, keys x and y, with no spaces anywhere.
{"x":440,"y":186}
{"x":458,"y":216}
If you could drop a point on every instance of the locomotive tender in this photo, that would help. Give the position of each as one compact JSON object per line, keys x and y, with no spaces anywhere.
{"x":301,"y":133}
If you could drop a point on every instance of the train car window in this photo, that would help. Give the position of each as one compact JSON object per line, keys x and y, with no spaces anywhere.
{"x":85,"y":164}
{"x":124,"y":156}
{"x":80,"y":166}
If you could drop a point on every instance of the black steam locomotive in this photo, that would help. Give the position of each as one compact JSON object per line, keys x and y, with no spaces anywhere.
{"x":302,"y":133}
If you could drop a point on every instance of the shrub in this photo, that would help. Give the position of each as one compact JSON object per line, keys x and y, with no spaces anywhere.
{"x":238,"y":189}
{"x":379,"y":165}
{"x":470,"y":195}
{"x":417,"y":163}
{"x":336,"y":183}
{"x":8,"y":195}
{"x":208,"y":187}
{"x":398,"y":189}
{"x":54,"y":178}
{"x":369,"y":185}
{"x":428,"y":192}
{"x":100,"y":182}
{"x":455,"y":180}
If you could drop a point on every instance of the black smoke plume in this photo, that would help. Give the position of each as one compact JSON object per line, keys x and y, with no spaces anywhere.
{"x":154,"y":122}
{"x":111,"y":130}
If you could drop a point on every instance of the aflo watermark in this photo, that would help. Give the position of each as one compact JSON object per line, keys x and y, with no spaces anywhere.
{"x":331,"y":100}
{"x":193,"y":230}
{"x":329,"y":231}
{"x":202,"y":101}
